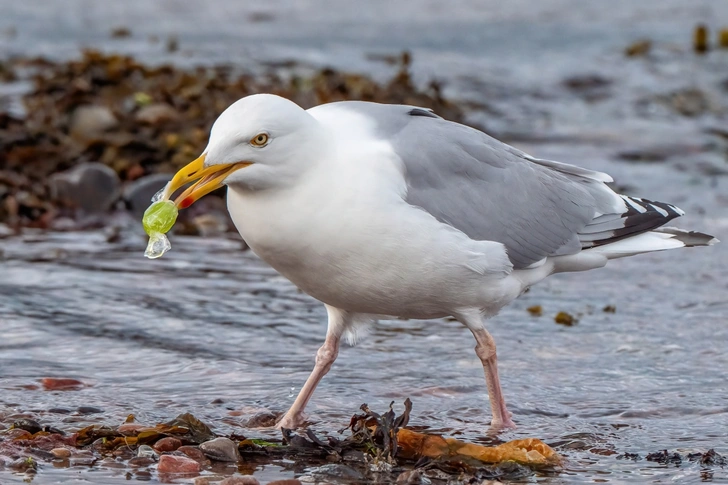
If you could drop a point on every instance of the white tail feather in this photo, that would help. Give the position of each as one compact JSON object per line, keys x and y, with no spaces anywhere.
{"x":657,"y":240}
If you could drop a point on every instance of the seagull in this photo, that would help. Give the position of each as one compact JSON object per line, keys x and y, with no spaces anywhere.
{"x":382,"y":211}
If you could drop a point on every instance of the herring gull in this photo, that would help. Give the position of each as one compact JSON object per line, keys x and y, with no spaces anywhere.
{"x":392,"y":211}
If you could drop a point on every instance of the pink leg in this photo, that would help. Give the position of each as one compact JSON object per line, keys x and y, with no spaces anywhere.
{"x":325,"y":357}
{"x":485,"y":349}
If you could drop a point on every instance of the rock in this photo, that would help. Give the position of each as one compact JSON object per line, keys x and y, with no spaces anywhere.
{"x":61,"y":452}
{"x":140,"y":461}
{"x":177,"y":464}
{"x":167,"y":444}
{"x":700,"y":39}
{"x":23,"y":464}
{"x":89,"y":121}
{"x":195,"y":453}
{"x":157,"y":114}
{"x":93,"y":187}
{"x":138,"y":194}
{"x":289,"y":481}
{"x":54,"y":384}
{"x":243,"y":480}
{"x":263,"y":419}
{"x":563,"y":318}
{"x":89,"y":410}
{"x":17,"y":434}
{"x":412,"y":477}
{"x":221,"y":449}
{"x":335,"y":470}
{"x":146,"y":451}
{"x":83,"y":458}
{"x":29,"y":425}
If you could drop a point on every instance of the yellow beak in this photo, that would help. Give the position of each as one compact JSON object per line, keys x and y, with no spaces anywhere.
{"x":208,"y":179}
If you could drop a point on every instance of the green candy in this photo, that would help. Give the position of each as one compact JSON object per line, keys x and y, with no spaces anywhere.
{"x":159,"y":217}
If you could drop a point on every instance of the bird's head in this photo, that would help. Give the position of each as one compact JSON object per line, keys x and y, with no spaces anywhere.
{"x":254,"y":144}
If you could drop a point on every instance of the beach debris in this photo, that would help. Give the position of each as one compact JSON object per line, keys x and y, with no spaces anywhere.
{"x":639,"y":48}
{"x":723,"y":38}
{"x":700,"y":39}
{"x":564,"y":318}
{"x":535,"y":310}
{"x":157,"y":221}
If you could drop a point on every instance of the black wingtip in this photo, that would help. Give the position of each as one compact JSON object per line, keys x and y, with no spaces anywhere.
{"x":422,"y":112}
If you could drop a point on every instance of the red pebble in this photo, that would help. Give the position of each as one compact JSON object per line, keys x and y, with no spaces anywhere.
{"x":177,"y":464}
{"x":167,"y":444}
{"x":194,"y":453}
{"x":54,"y":384}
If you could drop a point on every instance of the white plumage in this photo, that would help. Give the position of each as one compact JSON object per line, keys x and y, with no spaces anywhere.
{"x":383,"y":210}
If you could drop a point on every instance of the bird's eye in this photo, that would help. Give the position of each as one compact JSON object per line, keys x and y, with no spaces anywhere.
{"x":259,"y":140}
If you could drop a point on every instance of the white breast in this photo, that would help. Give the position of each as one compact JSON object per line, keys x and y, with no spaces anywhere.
{"x":345,"y":235}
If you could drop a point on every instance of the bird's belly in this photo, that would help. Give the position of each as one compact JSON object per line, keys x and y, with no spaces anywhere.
{"x":378,"y":266}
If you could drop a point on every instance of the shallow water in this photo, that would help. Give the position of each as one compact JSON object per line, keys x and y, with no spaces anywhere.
{"x":209,"y":323}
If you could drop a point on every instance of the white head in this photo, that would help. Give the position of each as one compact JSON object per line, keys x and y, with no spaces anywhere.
{"x":261,"y":141}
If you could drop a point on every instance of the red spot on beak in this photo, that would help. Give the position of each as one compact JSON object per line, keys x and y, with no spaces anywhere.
{"x":186,"y":202}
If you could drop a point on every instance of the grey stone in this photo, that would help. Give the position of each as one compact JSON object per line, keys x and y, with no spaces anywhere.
{"x":335,"y":470}
{"x":156,"y":114}
{"x":146,"y":451}
{"x":221,"y":449}
{"x":89,"y":121}
{"x":92,"y":187}
{"x":138,"y":194}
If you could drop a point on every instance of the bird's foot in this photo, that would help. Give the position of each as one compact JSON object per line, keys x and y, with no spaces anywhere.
{"x":502,"y":423}
{"x":291,"y":421}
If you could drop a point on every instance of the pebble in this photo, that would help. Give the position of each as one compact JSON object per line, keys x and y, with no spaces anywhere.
{"x":221,"y":449}
{"x":413,"y":477}
{"x":89,"y":121}
{"x":335,"y":470}
{"x":140,"y":461}
{"x":167,"y":444}
{"x":177,"y":464}
{"x":289,"y":481}
{"x":243,"y":480}
{"x":92,"y":187}
{"x":138,"y":194}
{"x":57,"y":384}
{"x":146,"y":450}
{"x":263,"y":419}
{"x":194,"y":453}
{"x":61,"y":452}
{"x":29,"y":425}
{"x":89,"y":410}
{"x":157,"y":114}
{"x":23,"y":464}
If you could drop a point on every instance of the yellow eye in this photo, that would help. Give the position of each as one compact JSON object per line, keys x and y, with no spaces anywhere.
{"x":259,"y":140}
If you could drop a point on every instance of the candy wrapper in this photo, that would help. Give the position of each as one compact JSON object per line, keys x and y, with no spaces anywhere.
{"x":157,"y":221}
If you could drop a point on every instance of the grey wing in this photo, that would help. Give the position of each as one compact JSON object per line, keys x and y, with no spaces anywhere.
{"x":492,"y":191}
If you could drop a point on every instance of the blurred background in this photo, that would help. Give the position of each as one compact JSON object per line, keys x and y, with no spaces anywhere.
{"x":100,"y":102}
